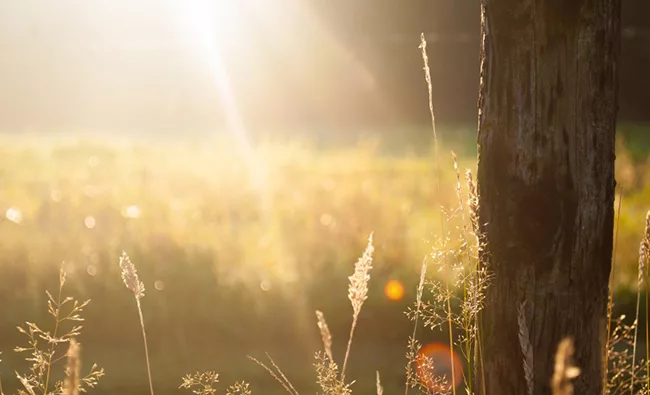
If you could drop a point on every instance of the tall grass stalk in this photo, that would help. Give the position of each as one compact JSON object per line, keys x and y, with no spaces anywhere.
{"x":644,"y":251}
{"x":482,"y":277}
{"x":1,"y":391}
{"x":380,"y":389}
{"x":647,"y":334}
{"x":610,"y":300}
{"x":467,"y":316}
{"x":358,"y":293}
{"x":62,"y":277}
{"x":427,"y":74}
{"x":133,"y":283}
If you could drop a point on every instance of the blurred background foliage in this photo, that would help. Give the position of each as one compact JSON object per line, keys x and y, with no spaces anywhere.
{"x":237,"y":254}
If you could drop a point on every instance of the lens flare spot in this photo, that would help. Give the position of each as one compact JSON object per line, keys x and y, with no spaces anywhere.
{"x":434,"y":367}
{"x":394,"y":290}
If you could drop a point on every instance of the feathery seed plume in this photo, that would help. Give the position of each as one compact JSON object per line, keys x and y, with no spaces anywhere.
{"x":358,"y":290}
{"x":325,"y":334}
{"x":130,"y":276}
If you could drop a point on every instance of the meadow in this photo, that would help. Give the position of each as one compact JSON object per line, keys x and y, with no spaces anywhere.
{"x":237,"y":246}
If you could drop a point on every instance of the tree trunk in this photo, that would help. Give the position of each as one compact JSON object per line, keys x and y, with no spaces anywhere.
{"x":547,"y":117}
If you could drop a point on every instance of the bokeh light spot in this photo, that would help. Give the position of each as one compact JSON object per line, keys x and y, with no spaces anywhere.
{"x":90,"y":222}
{"x":394,"y":290}
{"x":159,"y":285}
{"x":56,"y":195}
{"x":131,"y":211}
{"x":91,"y":270}
{"x":14,"y":215}
{"x":434,"y":367}
{"x":93,"y":161}
{"x":91,"y":190}
{"x":326,"y":219}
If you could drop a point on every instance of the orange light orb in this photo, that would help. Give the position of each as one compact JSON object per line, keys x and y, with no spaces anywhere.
{"x":394,"y":290}
{"x":434,"y":367}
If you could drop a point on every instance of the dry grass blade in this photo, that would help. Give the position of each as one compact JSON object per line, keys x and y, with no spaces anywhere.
{"x":380,"y":389}
{"x":282,"y":379}
{"x":325,"y":333}
{"x":427,"y":75}
{"x":644,"y":253}
{"x":281,"y":374}
{"x":1,"y":391}
{"x":610,"y":299}
{"x":26,"y":384}
{"x":73,"y":369}
{"x":564,"y":370}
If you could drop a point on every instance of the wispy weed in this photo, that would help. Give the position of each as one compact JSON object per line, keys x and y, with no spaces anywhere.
{"x":327,"y":376}
{"x":45,"y":347}
{"x":277,"y":374}
{"x":201,"y":383}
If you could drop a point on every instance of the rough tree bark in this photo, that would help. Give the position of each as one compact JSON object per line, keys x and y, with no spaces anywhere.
{"x":547,"y":114}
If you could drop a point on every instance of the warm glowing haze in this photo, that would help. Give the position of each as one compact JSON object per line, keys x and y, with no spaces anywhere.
{"x":120,"y":64}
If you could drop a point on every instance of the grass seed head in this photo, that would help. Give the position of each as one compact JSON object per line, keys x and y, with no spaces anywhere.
{"x":325,"y":334}
{"x":130,"y":276}
{"x":358,"y":290}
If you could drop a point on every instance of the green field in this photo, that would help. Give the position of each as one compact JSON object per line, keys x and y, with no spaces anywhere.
{"x":237,"y":246}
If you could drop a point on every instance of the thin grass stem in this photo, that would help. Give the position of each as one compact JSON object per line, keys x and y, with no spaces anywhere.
{"x":146,"y":348}
{"x":427,"y":73}
{"x":56,"y":328}
{"x":610,"y":302}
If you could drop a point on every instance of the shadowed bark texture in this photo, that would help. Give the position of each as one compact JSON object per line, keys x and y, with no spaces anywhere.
{"x":547,"y":117}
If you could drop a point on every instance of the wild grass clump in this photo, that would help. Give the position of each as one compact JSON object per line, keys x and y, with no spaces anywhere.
{"x":46,"y":348}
